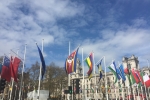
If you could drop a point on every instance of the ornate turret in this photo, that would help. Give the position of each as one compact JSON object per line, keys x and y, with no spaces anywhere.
{"x":133,"y":61}
{"x":78,"y":72}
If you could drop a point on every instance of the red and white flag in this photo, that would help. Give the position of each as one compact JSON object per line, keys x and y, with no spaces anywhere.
{"x":146,"y":80}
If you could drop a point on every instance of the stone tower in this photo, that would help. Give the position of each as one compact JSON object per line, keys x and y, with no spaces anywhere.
{"x":79,"y":72}
{"x":132,"y":61}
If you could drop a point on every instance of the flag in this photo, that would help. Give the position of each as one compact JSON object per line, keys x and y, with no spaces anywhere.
{"x":117,"y":71}
{"x":12,"y":72}
{"x":5,"y":74}
{"x":70,"y":63}
{"x":100,"y":69}
{"x":139,"y":76}
{"x":112,"y":67}
{"x":135,"y":76}
{"x":92,"y":89}
{"x":89,"y":62}
{"x":42,"y":61}
{"x":126,"y":71}
{"x":14,"y":64}
{"x":120,"y":88}
{"x":0,"y":68}
{"x":146,"y":80}
{"x":122,"y":74}
{"x":130,"y":76}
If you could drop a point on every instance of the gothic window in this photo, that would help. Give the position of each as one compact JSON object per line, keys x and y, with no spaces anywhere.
{"x":108,"y":78}
{"x":80,"y":70}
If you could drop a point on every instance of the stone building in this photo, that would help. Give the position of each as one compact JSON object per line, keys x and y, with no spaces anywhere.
{"x":94,"y":90}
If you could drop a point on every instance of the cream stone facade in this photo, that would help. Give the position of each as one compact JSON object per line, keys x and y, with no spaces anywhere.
{"x":94,"y":90}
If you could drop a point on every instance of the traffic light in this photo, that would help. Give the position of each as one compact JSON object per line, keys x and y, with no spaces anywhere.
{"x":66,"y":91}
{"x":77,"y":86}
{"x":70,"y":89}
{"x":2,"y":85}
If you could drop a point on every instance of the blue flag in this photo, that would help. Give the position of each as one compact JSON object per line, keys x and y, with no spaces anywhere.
{"x":117,"y":71}
{"x":100,"y":69}
{"x":5,"y":73}
{"x":42,"y":61}
{"x":122,"y":74}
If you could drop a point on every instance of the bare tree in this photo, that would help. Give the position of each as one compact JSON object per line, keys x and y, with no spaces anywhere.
{"x":33,"y":75}
{"x":55,"y":79}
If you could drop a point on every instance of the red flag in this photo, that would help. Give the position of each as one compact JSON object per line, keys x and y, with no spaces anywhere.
{"x":5,"y":74}
{"x":11,"y":68}
{"x":139,"y":76}
{"x":135,"y":76}
{"x":14,"y":68}
{"x":70,"y":64}
{"x":126,"y":71}
{"x":146,"y":80}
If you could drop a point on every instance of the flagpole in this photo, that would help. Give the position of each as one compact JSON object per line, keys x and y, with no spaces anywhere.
{"x":38,"y":95}
{"x":17,"y":55}
{"x":122,"y":93}
{"x":0,"y":79}
{"x":87,"y":56}
{"x":145,"y":88}
{"x":128,"y":93}
{"x":119,"y":93}
{"x":22,"y":72}
{"x":99,"y":60}
{"x":83,"y":77}
{"x":149,"y":74}
{"x":138,"y":96}
{"x":141,"y":89}
{"x":137,"y":90}
{"x":105,"y":79}
{"x":68,"y":74}
{"x":134,"y":93}
{"x":94,"y":74}
{"x":15,"y":92}
{"x":145,"y":91}
{"x":115,"y":93}
{"x":142,"y":92}
{"x":12,"y":83}
{"x":12,"y":79}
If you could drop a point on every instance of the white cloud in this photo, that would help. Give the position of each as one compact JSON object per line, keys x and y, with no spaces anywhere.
{"x":115,"y":45}
{"x":30,"y":21}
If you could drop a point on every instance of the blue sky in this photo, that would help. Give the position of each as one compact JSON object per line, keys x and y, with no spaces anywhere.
{"x":111,"y":28}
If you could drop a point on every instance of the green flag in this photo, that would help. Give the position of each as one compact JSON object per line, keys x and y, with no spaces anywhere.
{"x":120,"y":88}
{"x":132,"y":79}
